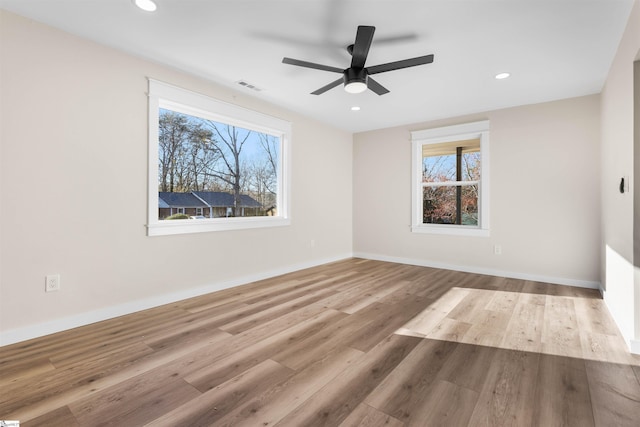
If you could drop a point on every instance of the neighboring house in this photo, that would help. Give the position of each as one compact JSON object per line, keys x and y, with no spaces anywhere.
{"x":210,"y":204}
{"x":221,"y":204}
{"x":175,"y":203}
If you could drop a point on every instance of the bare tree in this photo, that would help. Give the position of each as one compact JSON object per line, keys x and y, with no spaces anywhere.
{"x":173,"y":132}
{"x":202,"y":154}
{"x":228,"y":168}
{"x":185,"y":151}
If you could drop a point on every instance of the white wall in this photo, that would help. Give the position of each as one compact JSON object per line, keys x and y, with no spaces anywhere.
{"x":73,"y":189}
{"x":617,"y":209}
{"x":544,"y":206}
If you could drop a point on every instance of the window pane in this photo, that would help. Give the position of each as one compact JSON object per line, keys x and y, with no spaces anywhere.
{"x":213,"y":169}
{"x":440,"y":205}
{"x":471,"y":166}
{"x":439,"y":168}
{"x":439,"y":161}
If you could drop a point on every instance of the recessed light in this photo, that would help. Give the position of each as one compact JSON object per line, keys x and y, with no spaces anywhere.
{"x":355,"y":108}
{"x":502,"y":76}
{"x":146,"y":5}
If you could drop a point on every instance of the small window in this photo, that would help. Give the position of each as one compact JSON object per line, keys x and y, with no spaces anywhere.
{"x":219,"y":163}
{"x":450,"y":180}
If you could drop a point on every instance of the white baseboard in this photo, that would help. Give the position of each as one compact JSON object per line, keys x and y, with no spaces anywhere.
{"x":481,"y":270}
{"x":34,"y":331}
{"x":632,"y":344}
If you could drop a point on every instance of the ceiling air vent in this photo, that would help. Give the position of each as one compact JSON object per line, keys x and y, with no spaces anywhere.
{"x":249,"y":85}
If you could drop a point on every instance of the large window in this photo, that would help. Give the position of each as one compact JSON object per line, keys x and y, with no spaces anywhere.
{"x":450,"y":180}
{"x":212,"y":165}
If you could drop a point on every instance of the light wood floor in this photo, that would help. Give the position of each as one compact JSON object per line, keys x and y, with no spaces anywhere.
{"x":352,"y":343}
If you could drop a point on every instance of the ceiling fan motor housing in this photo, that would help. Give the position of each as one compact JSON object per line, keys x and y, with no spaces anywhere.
{"x":354,"y":75}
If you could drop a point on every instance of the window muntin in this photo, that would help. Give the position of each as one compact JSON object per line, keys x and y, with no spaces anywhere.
{"x":222,"y":162}
{"x":450,"y":180}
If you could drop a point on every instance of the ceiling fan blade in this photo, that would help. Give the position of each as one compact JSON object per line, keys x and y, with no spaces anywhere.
{"x":364,"y":37}
{"x":405,"y":63}
{"x":376,"y":87}
{"x":311,"y":65}
{"x":331,"y":85}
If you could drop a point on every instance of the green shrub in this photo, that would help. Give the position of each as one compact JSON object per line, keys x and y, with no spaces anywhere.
{"x":178,"y":216}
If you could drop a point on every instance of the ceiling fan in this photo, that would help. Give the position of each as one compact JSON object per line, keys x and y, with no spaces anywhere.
{"x":356,"y":78}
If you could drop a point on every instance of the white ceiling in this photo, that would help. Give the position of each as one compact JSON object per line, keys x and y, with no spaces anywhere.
{"x":553,"y":49}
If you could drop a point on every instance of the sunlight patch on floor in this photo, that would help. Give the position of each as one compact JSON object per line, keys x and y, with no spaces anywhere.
{"x":572,"y":326}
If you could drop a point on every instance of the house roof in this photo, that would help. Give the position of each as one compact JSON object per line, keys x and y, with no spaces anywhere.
{"x":221,"y":199}
{"x":162,"y":203}
{"x":179,"y":200}
{"x":201,"y":199}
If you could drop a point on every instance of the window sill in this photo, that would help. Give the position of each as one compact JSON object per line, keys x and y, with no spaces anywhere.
{"x":188,"y":226}
{"x":451,"y":230}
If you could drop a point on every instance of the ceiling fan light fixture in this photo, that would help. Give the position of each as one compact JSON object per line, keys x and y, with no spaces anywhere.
{"x":501,"y":76}
{"x":355,"y":80}
{"x":355,"y":87}
{"x":146,"y":5}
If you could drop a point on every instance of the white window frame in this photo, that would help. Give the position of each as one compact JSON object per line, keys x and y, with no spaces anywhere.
{"x":476,"y":130}
{"x":163,"y":95}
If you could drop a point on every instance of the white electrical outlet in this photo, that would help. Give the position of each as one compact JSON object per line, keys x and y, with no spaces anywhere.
{"x":52,"y":283}
{"x":497,"y":250}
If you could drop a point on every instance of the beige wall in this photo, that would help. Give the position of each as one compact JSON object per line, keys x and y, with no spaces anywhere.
{"x":617,"y":161}
{"x":74,"y":189}
{"x":544,"y":186}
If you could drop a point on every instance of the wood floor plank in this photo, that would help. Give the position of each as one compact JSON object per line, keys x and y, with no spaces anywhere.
{"x":562,"y":393}
{"x":333,"y":403}
{"x":366,"y":416}
{"x":219,"y":370}
{"x":592,"y":316}
{"x":61,"y":417}
{"x":505,"y":399}
{"x":206,"y":409}
{"x":488,"y":328}
{"x":401,"y":392}
{"x":449,"y":330}
{"x":373,"y":295}
{"x":474,"y":302}
{"x":604,"y":347}
{"x":312,"y":347}
{"x":503,"y":301}
{"x":446,"y":404}
{"x":468,"y":366}
{"x":388,"y":320}
{"x":524,"y":330}
{"x":560,"y":332}
{"x":134,"y":402}
{"x":24,"y":369}
{"x":276,"y":311}
{"x":277,"y":402}
{"x":614,"y":402}
{"x":431,"y":316}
